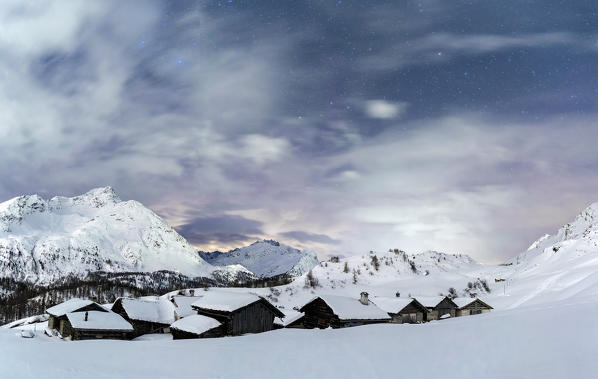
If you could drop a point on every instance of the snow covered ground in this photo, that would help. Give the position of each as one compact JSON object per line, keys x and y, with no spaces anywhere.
{"x":556,"y":341}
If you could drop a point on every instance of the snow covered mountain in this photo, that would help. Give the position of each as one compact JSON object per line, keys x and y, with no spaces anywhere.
{"x":577,"y":238}
{"x":266,"y":258}
{"x":42,"y":241}
{"x":558,"y":267}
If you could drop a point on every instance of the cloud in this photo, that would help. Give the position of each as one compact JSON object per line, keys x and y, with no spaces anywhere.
{"x":302,"y":236}
{"x":211,"y":114}
{"x":384,"y":109}
{"x":461,"y":182}
{"x":218,"y":230}
{"x":262,"y":149}
{"x":442,"y":47}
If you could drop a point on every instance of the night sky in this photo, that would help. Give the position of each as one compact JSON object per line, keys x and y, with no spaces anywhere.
{"x":342,"y":126}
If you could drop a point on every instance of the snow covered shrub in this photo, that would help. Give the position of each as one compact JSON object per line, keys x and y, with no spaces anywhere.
{"x":375,"y":262}
{"x":452,"y":293}
{"x":346,"y":268}
{"x":485,"y":285}
{"x":412,"y":266}
{"x":311,"y":281}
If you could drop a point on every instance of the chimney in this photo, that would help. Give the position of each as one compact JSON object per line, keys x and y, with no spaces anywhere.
{"x":191,"y":292}
{"x":86,"y":315}
{"x":364,"y":298}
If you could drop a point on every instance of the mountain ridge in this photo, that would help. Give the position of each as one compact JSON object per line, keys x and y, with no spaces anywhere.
{"x":257,"y":259}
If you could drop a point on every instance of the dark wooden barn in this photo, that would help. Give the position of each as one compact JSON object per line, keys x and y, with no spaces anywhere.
{"x":239,"y":313}
{"x":471,"y":306}
{"x":340,"y":312}
{"x":196,"y":326}
{"x":96,"y":325}
{"x":439,"y":307}
{"x":147,"y":315}
{"x":57,"y":314}
{"x":402,"y":310}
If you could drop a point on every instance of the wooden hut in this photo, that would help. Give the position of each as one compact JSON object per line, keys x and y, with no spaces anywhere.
{"x":57,"y":314}
{"x":96,"y":325}
{"x":196,"y":326}
{"x":439,"y":307}
{"x":147,"y":315}
{"x":471,"y":306}
{"x":340,"y":312}
{"x":402,"y":310}
{"x":239,"y":313}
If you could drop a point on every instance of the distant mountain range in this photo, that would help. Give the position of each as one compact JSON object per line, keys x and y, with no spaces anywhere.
{"x":97,"y":245}
{"x":265,"y":259}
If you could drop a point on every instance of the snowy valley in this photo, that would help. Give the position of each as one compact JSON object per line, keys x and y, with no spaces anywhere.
{"x":531,"y":294}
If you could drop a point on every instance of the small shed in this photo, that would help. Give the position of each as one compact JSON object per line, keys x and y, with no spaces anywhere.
{"x":96,"y":325}
{"x":196,"y":326}
{"x":339,"y":312}
{"x":147,"y":315}
{"x":57,"y":314}
{"x":439,"y":307}
{"x":239,"y":312}
{"x":471,"y":306}
{"x":402,"y":310}
{"x":292,"y":319}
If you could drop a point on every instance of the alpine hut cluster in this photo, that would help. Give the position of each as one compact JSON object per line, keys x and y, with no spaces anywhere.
{"x":220,"y":313}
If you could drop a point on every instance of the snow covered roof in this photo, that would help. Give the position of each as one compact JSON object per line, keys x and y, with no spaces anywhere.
{"x":98,"y":321}
{"x":69,"y":306}
{"x":394,"y":304}
{"x":465,"y":301}
{"x":430,"y":301}
{"x":348,"y":308}
{"x":158,"y":310}
{"x":290,"y":316}
{"x":196,"y":324}
{"x":183,"y":305}
{"x":225,"y":301}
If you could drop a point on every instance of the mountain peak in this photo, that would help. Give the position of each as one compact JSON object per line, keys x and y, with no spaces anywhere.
{"x":266,"y":258}
{"x":42,"y":241}
{"x":269,"y":242}
{"x":579,"y":236}
{"x":99,"y":197}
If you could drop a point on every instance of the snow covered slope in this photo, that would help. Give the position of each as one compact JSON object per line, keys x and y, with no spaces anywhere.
{"x":266,"y":258}
{"x":560,"y":266}
{"x":557,"y":342}
{"x":45,"y":240}
{"x":579,"y":237}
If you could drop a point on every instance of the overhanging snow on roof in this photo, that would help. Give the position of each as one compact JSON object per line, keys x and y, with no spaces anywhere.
{"x":68,"y":306}
{"x":348,"y":308}
{"x":98,"y":321}
{"x":196,"y":324}
{"x":158,"y":310}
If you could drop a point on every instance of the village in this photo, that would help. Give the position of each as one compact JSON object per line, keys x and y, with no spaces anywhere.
{"x":203,"y":313}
